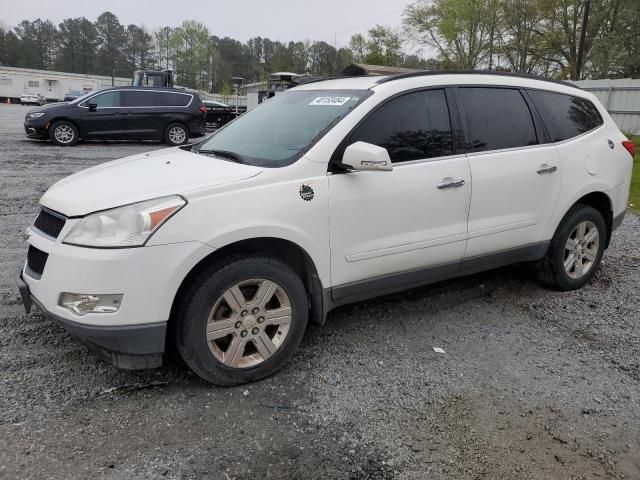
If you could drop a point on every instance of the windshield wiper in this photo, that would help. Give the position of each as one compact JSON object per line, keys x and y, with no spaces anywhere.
{"x":236,"y":157}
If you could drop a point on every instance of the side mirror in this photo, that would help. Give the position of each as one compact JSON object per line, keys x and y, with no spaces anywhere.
{"x":93,"y":107}
{"x":366,"y":157}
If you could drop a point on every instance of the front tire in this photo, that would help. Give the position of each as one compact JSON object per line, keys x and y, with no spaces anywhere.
{"x":64,"y":133}
{"x":241,"y":320}
{"x":576,"y":249}
{"x":176,"y":134}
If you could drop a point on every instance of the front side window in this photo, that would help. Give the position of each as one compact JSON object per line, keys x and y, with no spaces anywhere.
{"x":278,"y":131}
{"x":103,"y":100}
{"x":566,"y":116}
{"x":496,"y":118}
{"x":411,"y":127}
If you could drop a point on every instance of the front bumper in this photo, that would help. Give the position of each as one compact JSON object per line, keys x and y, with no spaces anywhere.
{"x":131,"y":346}
{"x":33,"y":130}
{"x":147,"y":277}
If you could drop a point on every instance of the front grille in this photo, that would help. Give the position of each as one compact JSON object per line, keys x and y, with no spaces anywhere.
{"x":36,"y":260}
{"x":50,"y":224}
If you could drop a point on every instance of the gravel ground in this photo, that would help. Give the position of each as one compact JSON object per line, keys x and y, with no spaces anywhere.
{"x":534,"y":384}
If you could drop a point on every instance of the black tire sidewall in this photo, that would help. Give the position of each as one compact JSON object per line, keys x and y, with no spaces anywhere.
{"x":192,"y":321}
{"x":73,"y":127}
{"x":166,"y":134}
{"x":577,"y":215}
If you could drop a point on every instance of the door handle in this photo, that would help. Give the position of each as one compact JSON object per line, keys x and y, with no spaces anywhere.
{"x":544,"y":168}
{"x":449,"y":182}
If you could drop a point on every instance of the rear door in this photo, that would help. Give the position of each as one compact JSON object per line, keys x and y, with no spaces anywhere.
{"x":516,"y":176}
{"x":409,"y":225}
{"x":146,"y":114}
{"x":107,"y":120}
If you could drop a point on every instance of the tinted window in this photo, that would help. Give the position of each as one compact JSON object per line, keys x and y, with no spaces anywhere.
{"x":410,"y":127}
{"x":133,"y":98}
{"x":566,"y":116}
{"x":496,"y":118}
{"x":175,"y":99}
{"x":107,"y":99}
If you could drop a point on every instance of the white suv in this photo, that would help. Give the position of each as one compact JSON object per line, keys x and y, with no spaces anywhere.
{"x":329,"y":193}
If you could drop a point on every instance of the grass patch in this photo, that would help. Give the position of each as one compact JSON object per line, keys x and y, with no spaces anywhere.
{"x":634,"y":193}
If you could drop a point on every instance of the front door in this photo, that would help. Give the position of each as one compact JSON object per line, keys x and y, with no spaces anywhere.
{"x":107,"y":121}
{"x":393,"y":229}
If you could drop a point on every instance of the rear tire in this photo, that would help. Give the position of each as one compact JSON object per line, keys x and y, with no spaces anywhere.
{"x":176,"y":134}
{"x":576,"y":249}
{"x":64,"y":133}
{"x":241,"y":319}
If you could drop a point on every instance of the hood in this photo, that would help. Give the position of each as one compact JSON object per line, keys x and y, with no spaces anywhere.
{"x":49,"y":107}
{"x":141,"y":177}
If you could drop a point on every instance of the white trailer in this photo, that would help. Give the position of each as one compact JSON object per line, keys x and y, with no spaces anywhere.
{"x":14,"y":82}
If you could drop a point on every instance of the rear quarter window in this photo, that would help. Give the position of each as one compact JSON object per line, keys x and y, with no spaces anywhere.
{"x":175,"y":99}
{"x":565,"y":116}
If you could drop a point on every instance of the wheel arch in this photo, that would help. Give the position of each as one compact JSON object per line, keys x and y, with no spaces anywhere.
{"x":65,"y":119}
{"x":602,"y":202}
{"x":284,"y":250}
{"x":171,"y":122}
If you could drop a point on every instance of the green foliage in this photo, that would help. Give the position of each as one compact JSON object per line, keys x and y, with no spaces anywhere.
{"x":530,"y":36}
{"x":381,"y":46}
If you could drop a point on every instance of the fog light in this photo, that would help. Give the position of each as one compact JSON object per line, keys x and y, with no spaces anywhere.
{"x":83,"y":303}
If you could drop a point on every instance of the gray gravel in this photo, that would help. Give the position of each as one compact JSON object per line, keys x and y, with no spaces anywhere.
{"x":533,"y":384}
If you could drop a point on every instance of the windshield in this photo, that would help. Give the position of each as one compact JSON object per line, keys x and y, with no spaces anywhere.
{"x":280,"y":130}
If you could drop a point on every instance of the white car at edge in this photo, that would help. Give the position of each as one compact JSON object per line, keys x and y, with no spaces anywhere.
{"x":330,"y":193}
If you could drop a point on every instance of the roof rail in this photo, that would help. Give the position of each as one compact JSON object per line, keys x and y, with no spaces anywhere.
{"x":322,"y":79}
{"x":473,"y":72}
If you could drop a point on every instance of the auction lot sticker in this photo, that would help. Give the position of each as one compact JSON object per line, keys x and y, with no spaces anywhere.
{"x":331,"y":101}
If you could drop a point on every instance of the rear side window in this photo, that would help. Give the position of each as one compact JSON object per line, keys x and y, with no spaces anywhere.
{"x":175,"y":99}
{"x":140,"y":99}
{"x":497,"y":118}
{"x":411,"y":127}
{"x":566,"y":116}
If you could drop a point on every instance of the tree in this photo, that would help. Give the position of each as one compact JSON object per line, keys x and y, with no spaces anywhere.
{"x":111,"y":38}
{"x":562,"y":28}
{"x":77,"y":40}
{"x":189,"y":44}
{"x":137,"y":48}
{"x":381,"y":46}
{"x":517,"y":27}
{"x":162,"y":44}
{"x":461,"y":30}
{"x":37,"y":44}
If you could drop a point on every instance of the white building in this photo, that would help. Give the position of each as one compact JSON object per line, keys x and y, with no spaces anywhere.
{"x":15,"y":82}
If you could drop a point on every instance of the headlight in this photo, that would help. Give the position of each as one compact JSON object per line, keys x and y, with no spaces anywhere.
{"x":126,"y":226}
{"x":36,"y":115}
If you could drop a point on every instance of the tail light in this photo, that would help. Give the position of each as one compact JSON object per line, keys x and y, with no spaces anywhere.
{"x":203,"y":109}
{"x":631,"y":148}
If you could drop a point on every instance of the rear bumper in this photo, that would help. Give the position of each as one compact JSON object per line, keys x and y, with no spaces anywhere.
{"x":130,"y":346}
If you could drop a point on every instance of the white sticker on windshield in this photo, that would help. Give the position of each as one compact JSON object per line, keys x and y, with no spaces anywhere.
{"x":331,"y":101}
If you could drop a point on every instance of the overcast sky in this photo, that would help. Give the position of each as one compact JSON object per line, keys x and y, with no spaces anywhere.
{"x":327,"y":20}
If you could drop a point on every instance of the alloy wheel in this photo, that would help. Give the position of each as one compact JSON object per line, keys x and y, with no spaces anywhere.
{"x":248,"y":323}
{"x":581,"y":249}
{"x":177,"y":135}
{"x":64,"y":134}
